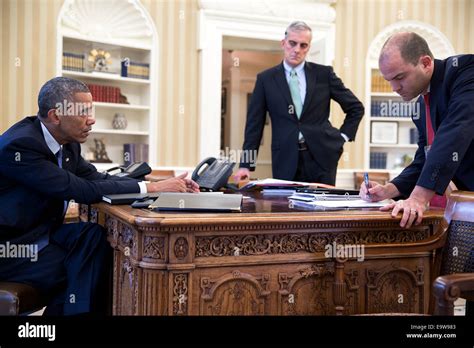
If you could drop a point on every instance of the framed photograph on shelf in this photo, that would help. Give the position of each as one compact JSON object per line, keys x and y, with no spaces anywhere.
{"x":384,"y":132}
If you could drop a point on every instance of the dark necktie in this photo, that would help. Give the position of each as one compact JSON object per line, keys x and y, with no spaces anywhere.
{"x":59,"y":156}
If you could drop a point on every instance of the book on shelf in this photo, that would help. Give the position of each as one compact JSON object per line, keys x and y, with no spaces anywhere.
{"x":105,"y":94}
{"x":135,"y":69}
{"x":378,"y":83}
{"x":414,"y":135}
{"x":392,"y":108}
{"x":135,"y":152}
{"x":73,"y":61}
{"x":378,"y":160}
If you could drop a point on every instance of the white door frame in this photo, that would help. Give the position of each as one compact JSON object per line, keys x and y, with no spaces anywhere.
{"x":214,"y":24}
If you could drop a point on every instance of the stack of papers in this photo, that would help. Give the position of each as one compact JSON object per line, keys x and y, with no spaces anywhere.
{"x":278,"y":192}
{"x":280,"y":184}
{"x":311,"y":197}
{"x":332,"y":202}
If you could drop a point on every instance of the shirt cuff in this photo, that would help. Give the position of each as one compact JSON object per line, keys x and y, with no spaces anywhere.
{"x":142,"y":185}
{"x":346,"y":138}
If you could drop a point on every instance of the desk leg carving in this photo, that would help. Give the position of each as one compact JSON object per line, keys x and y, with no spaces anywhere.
{"x":339,"y":287}
{"x":180,"y":293}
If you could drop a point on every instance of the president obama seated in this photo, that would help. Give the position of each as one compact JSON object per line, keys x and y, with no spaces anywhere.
{"x":41,"y":169}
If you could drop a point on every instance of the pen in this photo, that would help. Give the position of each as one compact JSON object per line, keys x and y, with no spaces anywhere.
{"x":367,"y":185}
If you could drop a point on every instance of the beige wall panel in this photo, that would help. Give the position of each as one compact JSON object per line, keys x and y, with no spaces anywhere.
{"x":357,"y":24}
{"x":28,"y":32}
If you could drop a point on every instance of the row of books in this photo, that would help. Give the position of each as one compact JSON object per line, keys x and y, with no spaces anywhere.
{"x":135,"y":152}
{"x":414,"y":135}
{"x":106,"y":94}
{"x":73,"y":61}
{"x":391,"y":108}
{"x":379,"y":84}
{"x":378,"y":160}
{"x":135,"y":70}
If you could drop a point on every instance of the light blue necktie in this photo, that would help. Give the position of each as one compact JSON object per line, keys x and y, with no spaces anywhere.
{"x":296,"y":96}
{"x":59,"y":156}
{"x":295,"y":92}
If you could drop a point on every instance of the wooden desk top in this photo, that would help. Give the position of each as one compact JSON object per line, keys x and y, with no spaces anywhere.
{"x":249,"y":263}
{"x":255,"y":208}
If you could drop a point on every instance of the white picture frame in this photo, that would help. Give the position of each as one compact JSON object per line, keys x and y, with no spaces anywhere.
{"x":384,"y":132}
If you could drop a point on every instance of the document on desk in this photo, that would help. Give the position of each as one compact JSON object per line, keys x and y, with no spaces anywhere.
{"x":277,"y":184}
{"x":339,"y":204}
{"x":274,"y":183}
{"x":311,"y":197}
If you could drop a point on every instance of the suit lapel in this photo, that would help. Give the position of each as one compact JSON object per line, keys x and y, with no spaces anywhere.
{"x":37,"y":124}
{"x":310,"y":75}
{"x":280,"y":80}
{"x":435,"y":92}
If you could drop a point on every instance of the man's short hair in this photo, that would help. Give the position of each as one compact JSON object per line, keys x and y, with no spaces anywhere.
{"x":56,"y":91}
{"x":411,"y":46}
{"x":298,"y":26}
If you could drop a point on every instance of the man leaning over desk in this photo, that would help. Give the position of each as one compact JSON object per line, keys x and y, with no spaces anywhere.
{"x":41,"y":169}
{"x":445,"y":91}
{"x":297,"y":94}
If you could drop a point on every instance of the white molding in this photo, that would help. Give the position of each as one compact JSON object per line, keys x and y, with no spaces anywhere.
{"x":130,"y":25}
{"x":439,"y":44}
{"x":266,"y":20}
{"x":306,"y":10}
{"x":116,"y":20}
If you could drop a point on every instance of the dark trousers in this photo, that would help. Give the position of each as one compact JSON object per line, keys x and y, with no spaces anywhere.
{"x":72,"y":272}
{"x":309,"y":170}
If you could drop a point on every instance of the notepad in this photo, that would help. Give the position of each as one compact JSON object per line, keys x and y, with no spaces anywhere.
{"x":198,"y":202}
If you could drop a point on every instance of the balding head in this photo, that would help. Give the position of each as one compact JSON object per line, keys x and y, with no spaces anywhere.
{"x":409,"y":45}
{"x":407,"y":63}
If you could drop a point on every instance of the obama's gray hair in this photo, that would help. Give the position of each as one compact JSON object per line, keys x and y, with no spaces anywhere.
{"x":57,"y":90}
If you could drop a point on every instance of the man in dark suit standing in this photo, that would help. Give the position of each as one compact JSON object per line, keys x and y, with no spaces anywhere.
{"x":41,"y":170}
{"x":445,"y":91}
{"x":297,"y":94}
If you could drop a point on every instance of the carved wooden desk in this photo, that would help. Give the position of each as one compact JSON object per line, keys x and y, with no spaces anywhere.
{"x":270,"y":259}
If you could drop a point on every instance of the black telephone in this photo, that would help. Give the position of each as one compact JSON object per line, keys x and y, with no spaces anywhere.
{"x":214,"y":175}
{"x":135,"y":170}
